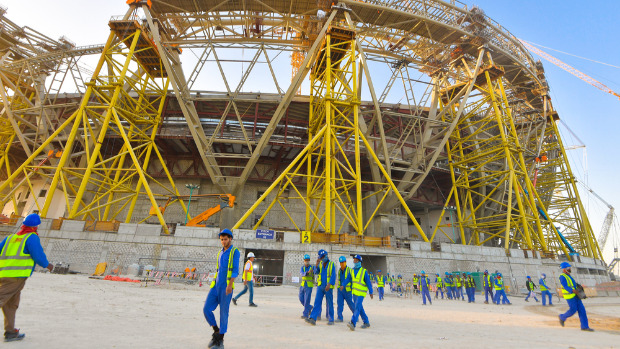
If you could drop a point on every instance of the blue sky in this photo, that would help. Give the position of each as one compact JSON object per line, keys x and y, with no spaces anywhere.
{"x":588,"y":30}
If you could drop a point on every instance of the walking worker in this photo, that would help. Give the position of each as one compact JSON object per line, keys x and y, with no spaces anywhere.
{"x":307,"y":284}
{"x":544,"y":290}
{"x":416,"y":283}
{"x":399,"y":285}
{"x":499,"y":290}
{"x":569,"y":290}
{"x":530,"y":289}
{"x":380,"y":284}
{"x":222,"y":288}
{"x":470,"y":287}
{"x":488,"y":287}
{"x":425,"y":284}
{"x":361,"y":284}
{"x":449,"y":288}
{"x":248,"y":280}
{"x":325,"y":288}
{"x":459,"y":286}
{"x":19,"y":254}
{"x":439,"y":285}
{"x":344,"y":289}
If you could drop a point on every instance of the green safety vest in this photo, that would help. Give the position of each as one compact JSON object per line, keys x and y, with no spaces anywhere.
{"x":330,"y":267}
{"x":439,"y":283}
{"x":14,"y":263}
{"x":569,"y":282}
{"x":308,"y":280}
{"x":230,"y":267}
{"x":347,"y":272}
{"x":499,"y":285}
{"x":380,"y":281}
{"x":359,"y":282}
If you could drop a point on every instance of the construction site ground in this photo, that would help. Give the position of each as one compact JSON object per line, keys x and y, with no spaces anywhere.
{"x":73,"y":311}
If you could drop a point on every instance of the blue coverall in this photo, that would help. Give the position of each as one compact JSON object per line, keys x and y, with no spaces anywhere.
{"x":545,"y":293}
{"x":447,"y":281}
{"x":439,"y":289}
{"x":531,"y":290}
{"x":305,"y":291}
{"x":320,"y":292}
{"x":575,"y":304}
{"x":358,"y":300}
{"x":500,"y":293}
{"x":488,"y":288}
{"x":217,"y":295}
{"x":381,"y":290}
{"x":343,"y":295}
{"x":424,"y":282}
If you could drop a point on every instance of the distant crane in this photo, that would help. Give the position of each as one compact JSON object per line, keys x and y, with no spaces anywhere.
{"x":609,"y":218}
{"x":590,"y":80}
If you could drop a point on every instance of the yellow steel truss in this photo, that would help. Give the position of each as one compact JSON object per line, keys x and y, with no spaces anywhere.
{"x":330,"y":165}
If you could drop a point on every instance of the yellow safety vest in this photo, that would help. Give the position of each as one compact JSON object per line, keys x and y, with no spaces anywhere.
{"x":542,"y":286}
{"x":359,"y":282}
{"x":330,"y":267}
{"x":308,"y":280}
{"x":569,"y":282}
{"x":399,"y":282}
{"x":381,"y":281}
{"x":415,"y":280}
{"x":347,"y":272}
{"x":499,"y":285}
{"x":14,"y":263}
{"x":439,"y":282}
{"x":448,"y":282}
{"x":458,"y":282}
{"x":230,"y":267}
{"x":248,"y":274}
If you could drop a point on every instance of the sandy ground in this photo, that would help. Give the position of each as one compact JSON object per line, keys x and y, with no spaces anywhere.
{"x":73,"y":311}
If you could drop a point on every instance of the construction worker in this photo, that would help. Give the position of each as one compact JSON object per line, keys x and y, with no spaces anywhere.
{"x":361,"y":284}
{"x":544,"y":290}
{"x":20,"y":252}
{"x":344,"y":288}
{"x":326,"y":270}
{"x":449,"y":288}
{"x":416,"y":283}
{"x":530,"y":288}
{"x":439,"y":286}
{"x":569,"y":290}
{"x":499,"y":290}
{"x":470,"y":286}
{"x":488,"y":287}
{"x":457,"y":286}
{"x":425,"y":284}
{"x":248,"y":280}
{"x":399,"y":285}
{"x":307,"y":284}
{"x":222,"y":287}
{"x":380,"y":284}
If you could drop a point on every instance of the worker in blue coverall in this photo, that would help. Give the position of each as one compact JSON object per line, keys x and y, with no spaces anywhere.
{"x":361,"y":283}
{"x":381,"y":280}
{"x":448,"y":282}
{"x":344,"y":289}
{"x":487,"y":283}
{"x":425,"y":284}
{"x":499,"y":290}
{"x":544,"y":290}
{"x":439,"y":286}
{"x":470,"y":287}
{"x":326,"y":270}
{"x":20,"y":253}
{"x":569,"y":291}
{"x":307,"y":284}
{"x":222,"y":287}
{"x":530,"y":289}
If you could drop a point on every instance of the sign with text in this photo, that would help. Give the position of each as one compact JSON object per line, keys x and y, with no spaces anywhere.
{"x":265,"y":234}
{"x":306,"y":237}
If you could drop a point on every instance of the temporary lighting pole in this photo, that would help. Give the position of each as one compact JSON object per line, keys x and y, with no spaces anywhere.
{"x":191,"y":188}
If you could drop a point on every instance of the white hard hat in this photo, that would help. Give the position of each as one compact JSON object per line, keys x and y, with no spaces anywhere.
{"x":251,"y":254}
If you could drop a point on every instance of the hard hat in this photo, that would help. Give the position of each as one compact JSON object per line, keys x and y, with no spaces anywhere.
{"x":251,"y":254}
{"x":400,"y":276}
{"x":378,"y":271}
{"x":322,"y":253}
{"x":447,"y":273}
{"x":307,"y":256}
{"x":564,"y":265}
{"x":528,"y":277}
{"x":226,"y":232}
{"x":342,"y":259}
{"x":499,"y":274}
{"x":358,"y":257}
{"x":32,"y":220}
{"x":486,"y":271}
{"x":436,"y":274}
{"x":423,"y":272}
{"x":468,"y":273}
{"x":544,"y":275}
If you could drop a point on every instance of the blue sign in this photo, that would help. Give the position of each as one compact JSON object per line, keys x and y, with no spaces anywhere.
{"x":265,"y":234}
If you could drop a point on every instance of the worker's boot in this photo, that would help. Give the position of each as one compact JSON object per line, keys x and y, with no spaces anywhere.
{"x":13,"y":336}
{"x":311,"y":321}
{"x":220,"y":342}
{"x":214,"y":337}
{"x":351,"y":326}
{"x":234,"y":301}
{"x":366,"y":325}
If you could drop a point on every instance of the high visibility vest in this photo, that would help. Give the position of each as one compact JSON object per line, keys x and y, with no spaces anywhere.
{"x":330,"y":267}
{"x":439,"y":283}
{"x":248,"y":275}
{"x":399,"y":282}
{"x":308,"y":280}
{"x":347,"y":272}
{"x":380,"y":281}
{"x":543,"y":287}
{"x":415,"y":280}
{"x":14,"y":263}
{"x":448,"y":281}
{"x":359,"y":282}
{"x":230,"y":267}
{"x":425,"y":279}
{"x":458,"y":282}
{"x":499,"y":284}
{"x":569,"y":281}
{"x":487,"y":280}
{"x":470,"y":282}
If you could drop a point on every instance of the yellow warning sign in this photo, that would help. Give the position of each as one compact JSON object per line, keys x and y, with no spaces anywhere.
{"x":306,"y":237}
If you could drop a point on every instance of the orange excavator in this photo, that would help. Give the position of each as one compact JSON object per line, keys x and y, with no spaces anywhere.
{"x":228,"y":200}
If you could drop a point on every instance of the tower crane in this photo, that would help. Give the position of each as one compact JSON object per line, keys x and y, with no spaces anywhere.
{"x":609,"y":218}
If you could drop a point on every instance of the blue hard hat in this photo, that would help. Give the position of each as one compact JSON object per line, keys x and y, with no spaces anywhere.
{"x":322,"y":253}
{"x":486,"y":271}
{"x":226,"y":232}
{"x":563,"y":265}
{"x":378,"y":271}
{"x":422,"y":272}
{"x":307,"y":256}
{"x":342,"y":259}
{"x":447,"y":273}
{"x":436,"y":274}
{"x":468,"y":273}
{"x":528,"y":277}
{"x":544,"y":275}
{"x":499,"y":274}
{"x":358,"y":257}
{"x":400,"y":276}
{"x":32,"y":220}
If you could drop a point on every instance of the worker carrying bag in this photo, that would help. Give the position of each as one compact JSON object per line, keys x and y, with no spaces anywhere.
{"x":580,"y":292}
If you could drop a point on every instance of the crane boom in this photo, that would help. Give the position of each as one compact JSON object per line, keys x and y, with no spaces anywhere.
{"x":602,"y":239}
{"x":581,"y":75}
